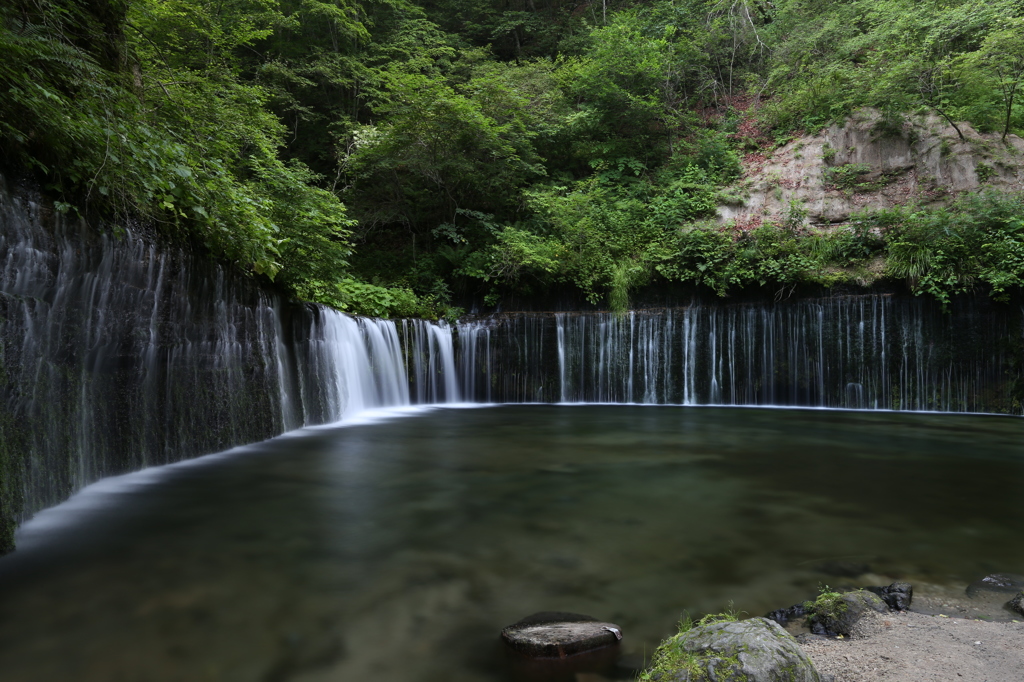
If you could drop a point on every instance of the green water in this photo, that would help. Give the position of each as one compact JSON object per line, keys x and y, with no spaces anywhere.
{"x":398,"y":550}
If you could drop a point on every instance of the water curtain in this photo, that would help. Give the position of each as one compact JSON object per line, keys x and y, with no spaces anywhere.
{"x":117,"y":354}
{"x":859,"y":352}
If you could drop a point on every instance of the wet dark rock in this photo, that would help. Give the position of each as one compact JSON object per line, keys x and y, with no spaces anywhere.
{"x":896,"y":596}
{"x":843,"y":569}
{"x":996,"y":582}
{"x":1017,"y":603}
{"x":839,"y":617}
{"x":754,"y":650}
{"x":552,"y":634}
{"x":783,"y":616}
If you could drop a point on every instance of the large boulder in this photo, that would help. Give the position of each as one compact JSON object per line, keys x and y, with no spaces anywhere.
{"x":754,"y":650}
{"x":836,"y":615}
{"x":553,"y":634}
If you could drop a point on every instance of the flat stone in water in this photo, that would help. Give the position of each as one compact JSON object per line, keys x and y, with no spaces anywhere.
{"x":558,"y":635}
{"x":996,"y":582}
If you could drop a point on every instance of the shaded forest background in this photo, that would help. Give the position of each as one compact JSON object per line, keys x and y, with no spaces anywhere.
{"x":392,"y":157}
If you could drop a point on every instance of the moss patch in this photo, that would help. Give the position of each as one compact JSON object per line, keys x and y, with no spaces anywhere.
{"x":671,"y":661}
{"x":828,"y":603}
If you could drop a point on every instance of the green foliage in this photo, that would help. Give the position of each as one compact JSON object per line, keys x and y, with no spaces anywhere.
{"x":178,"y":139}
{"x":436,"y":152}
{"x":942,"y":252}
{"x":827,"y":602}
{"x":978,"y":242}
{"x":961,"y":59}
{"x":984,"y":172}
{"x":483,"y":148}
{"x":360,"y":298}
{"x":726,"y":259}
{"x":847,"y":176}
{"x":517,"y":251}
{"x":827,"y":608}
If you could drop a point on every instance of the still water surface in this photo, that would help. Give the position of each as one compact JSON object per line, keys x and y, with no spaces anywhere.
{"x":398,"y":550}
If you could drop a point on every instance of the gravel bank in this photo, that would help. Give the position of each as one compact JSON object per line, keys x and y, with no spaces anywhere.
{"x":917,"y":647}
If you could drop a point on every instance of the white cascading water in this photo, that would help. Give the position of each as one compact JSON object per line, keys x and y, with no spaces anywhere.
{"x":351,"y":365}
{"x":116,"y":355}
{"x":430,"y":361}
{"x":862,"y":352}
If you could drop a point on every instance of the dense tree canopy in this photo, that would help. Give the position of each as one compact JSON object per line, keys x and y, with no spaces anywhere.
{"x":392,"y":156}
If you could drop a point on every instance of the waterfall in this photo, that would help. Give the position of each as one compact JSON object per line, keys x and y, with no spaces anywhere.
{"x":430,"y":361}
{"x":863,"y":352}
{"x":116,"y":354}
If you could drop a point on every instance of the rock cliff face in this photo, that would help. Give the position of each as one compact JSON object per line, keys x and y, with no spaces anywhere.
{"x":870,"y":163}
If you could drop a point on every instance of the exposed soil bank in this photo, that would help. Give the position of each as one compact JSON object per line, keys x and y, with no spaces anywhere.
{"x":869,"y":162}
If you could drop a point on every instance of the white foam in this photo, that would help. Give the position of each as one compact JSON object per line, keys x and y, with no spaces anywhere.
{"x":800,"y":408}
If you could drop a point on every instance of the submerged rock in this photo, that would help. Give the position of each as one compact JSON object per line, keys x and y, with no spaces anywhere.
{"x":837,"y":616}
{"x":996,"y":582}
{"x":843,"y":569}
{"x":755,"y":650}
{"x":896,"y":596}
{"x":552,"y":634}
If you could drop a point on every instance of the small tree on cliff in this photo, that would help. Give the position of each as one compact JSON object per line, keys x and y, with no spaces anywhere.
{"x":1001,"y":59}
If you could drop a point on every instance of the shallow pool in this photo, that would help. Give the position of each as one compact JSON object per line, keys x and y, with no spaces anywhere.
{"x":397,"y":550}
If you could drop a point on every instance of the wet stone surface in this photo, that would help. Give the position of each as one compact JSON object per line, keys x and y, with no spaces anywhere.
{"x":1017,"y":604}
{"x":755,"y":650}
{"x":897,"y":596}
{"x":996,"y":582}
{"x":558,"y":635}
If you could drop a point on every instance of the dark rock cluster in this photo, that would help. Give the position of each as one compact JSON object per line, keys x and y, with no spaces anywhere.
{"x":896,"y":596}
{"x":838,"y":616}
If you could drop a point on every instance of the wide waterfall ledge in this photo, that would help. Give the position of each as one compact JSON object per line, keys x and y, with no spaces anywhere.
{"x":118,"y":354}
